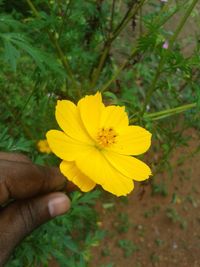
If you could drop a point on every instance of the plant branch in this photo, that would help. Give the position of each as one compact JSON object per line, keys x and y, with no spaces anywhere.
{"x":112,"y":36}
{"x":112,"y":15}
{"x":166,"y":113}
{"x":56,"y":45}
{"x":163,"y":56}
{"x":134,"y":52}
{"x":64,"y":16}
{"x":169,"y":112}
{"x":129,"y":15}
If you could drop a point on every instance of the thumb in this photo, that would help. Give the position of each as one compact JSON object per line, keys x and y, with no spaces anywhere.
{"x":21,"y":217}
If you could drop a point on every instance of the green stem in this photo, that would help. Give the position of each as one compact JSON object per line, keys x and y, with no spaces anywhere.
{"x":134,"y":52}
{"x":166,"y":113}
{"x":102,"y":60}
{"x":153,"y":88}
{"x":153,"y":84}
{"x":112,"y":15}
{"x":32,"y":7}
{"x":163,"y":160}
{"x":182,"y":23}
{"x":129,"y":15}
{"x":61,"y":55}
{"x":140,"y":23}
{"x":63,"y":19}
{"x":171,"y":110}
{"x":112,"y":36}
{"x":116,"y":74}
{"x":55,"y":43}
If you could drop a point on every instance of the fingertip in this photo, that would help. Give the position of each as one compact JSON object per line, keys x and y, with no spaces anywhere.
{"x":58,"y":204}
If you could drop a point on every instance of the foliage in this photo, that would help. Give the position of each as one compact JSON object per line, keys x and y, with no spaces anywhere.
{"x":65,"y":49}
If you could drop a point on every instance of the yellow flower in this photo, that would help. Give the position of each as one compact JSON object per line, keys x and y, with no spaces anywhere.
{"x":43,"y":146}
{"x":96,"y":144}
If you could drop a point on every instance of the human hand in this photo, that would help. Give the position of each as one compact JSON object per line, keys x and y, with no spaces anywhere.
{"x":28,"y":198}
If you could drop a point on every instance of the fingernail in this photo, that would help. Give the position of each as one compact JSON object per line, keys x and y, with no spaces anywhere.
{"x":58,"y":206}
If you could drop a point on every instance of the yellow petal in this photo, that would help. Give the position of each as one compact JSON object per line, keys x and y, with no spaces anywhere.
{"x":114,"y":117}
{"x":132,"y":140}
{"x":128,"y":166}
{"x":94,"y":165}
{"x":63,"y":146}
{"x":70,"y":170}
{"x":68,"y":118}
{"x":90,"y":108}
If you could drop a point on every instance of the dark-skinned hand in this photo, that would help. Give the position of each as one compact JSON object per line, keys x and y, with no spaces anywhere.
{"x":29,"y":197}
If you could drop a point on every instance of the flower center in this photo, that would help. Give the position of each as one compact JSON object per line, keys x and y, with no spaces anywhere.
{"x":106,"y":137}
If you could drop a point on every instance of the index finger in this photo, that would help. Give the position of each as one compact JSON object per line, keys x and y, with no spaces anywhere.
{"x":20,"y":180}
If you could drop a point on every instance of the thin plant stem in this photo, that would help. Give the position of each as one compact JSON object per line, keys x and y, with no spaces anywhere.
{"x":56,"y":45}
{"x":166,"y":113}
{"x":140,"y":23}
{"x":163,"y":160}
{"x":63,"y":20}
{"x":153,"y":87}
{"x":122,"y":67}
{"x":112,"y":36}
{"x":112,"y":15}
{"x":134,"y":53}
{"x":129,"y":15}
